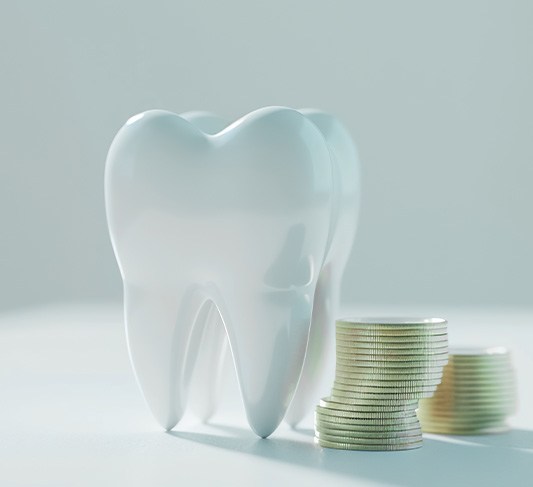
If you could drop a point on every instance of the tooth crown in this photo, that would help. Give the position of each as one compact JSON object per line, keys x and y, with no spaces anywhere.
{"x":239,"y":221}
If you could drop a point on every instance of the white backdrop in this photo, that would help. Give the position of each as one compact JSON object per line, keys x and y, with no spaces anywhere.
{"x":437,"y":95}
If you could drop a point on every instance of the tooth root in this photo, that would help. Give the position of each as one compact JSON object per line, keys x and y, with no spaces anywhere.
{"x":158,"y":349}
{"x":268,"y":337}
{"x":318,"y":369}
{"x":207,"y":379}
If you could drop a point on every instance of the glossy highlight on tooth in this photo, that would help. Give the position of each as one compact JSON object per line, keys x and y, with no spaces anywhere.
{"x":222,"y":234}
{"x":318,"y":369}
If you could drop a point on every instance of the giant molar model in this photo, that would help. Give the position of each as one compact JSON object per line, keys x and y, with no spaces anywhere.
{"x":231,"y":233}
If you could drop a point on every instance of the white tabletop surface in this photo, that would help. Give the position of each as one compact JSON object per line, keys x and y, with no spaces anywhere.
{"x":71,"y":415}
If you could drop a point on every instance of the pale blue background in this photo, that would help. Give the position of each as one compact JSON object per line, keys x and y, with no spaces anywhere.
{"x":437,"y":95}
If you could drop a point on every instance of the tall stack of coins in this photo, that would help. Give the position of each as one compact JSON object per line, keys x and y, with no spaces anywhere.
{"x":476,"y":395}
{"x":384,"y":366}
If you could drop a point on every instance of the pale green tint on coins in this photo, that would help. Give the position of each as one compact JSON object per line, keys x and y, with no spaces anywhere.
{"x":367,"y":441}
{"x":363,"y":417}
{"x":379,"y":334}
{"x":355,"y":446}
{"x":381,"y":384}
{"x":446,"y":429}
{"x":407,"y":415}
{"x":476,"y":353}
{"x":384,"y":433}
{"x":377,"y":345}
{"x":406,"y":322}
{"x":366,"y":400}
{"x":349,"y":394}
{"x":460,"y":410}
{"x":383,"y":367}
{"x":356,"y":425}
{"x":391,"y":332}
{"x":396,"y":339}
{"x":338,"y":424}
{"x":419,"y":366}
{"x":388,"y":376}
{"x":489,"y":392}
{"x":465,"y":419}
{"x":343,"y":347}
{"x":395,"y":406}
{"x":390,"y":389}
{"x":393,"y":357}
{"x":488,"y":380}
{"x":389,"y":352}
{"x":369,"y":398}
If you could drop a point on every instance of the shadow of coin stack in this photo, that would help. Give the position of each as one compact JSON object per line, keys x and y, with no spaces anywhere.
{"x":476,"y":396}
{"x":383,"y":367}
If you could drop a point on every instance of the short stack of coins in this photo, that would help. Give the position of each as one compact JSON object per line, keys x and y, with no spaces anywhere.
{"x":383,"y":367}
{"x":476,"y":396}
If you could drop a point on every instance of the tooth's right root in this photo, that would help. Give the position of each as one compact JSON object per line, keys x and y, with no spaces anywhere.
{"x":384,"y":366}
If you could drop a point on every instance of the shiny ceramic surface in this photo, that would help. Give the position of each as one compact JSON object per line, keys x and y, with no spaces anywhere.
{"x":318,"y":369}
{"x":237,"y":222}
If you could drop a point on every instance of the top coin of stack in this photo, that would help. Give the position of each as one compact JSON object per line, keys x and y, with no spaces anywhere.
{"x":476,"y":395}
{"x":383,"y":367}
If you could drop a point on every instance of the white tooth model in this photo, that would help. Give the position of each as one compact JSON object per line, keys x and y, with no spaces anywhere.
{"x":318,"y":370}
{"x":235,"y":225}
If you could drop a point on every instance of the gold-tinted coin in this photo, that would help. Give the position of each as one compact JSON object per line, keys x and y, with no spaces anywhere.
{"x":480,"y":381}
{"x":466,"y":419}
{"x":447,"y":390}
{"x":446,"y":429}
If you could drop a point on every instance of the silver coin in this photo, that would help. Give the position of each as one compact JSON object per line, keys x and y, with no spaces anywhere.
{"x":367,"y":424}
{"x":390,"y":357}
{"x":398,"y":323}
{"x":402,"y":375}
{"x":353,"y":351}
{"x":389,"y":386}
{"x":366,"y":415}
{"x":355,"y":446}
{"x":379,"y":345}
{"x":420,"y":366}
{"x":367,"y":441}
{"x":368,"y":406}
{"x":323,"y":429}
{"x":333,"y":423}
